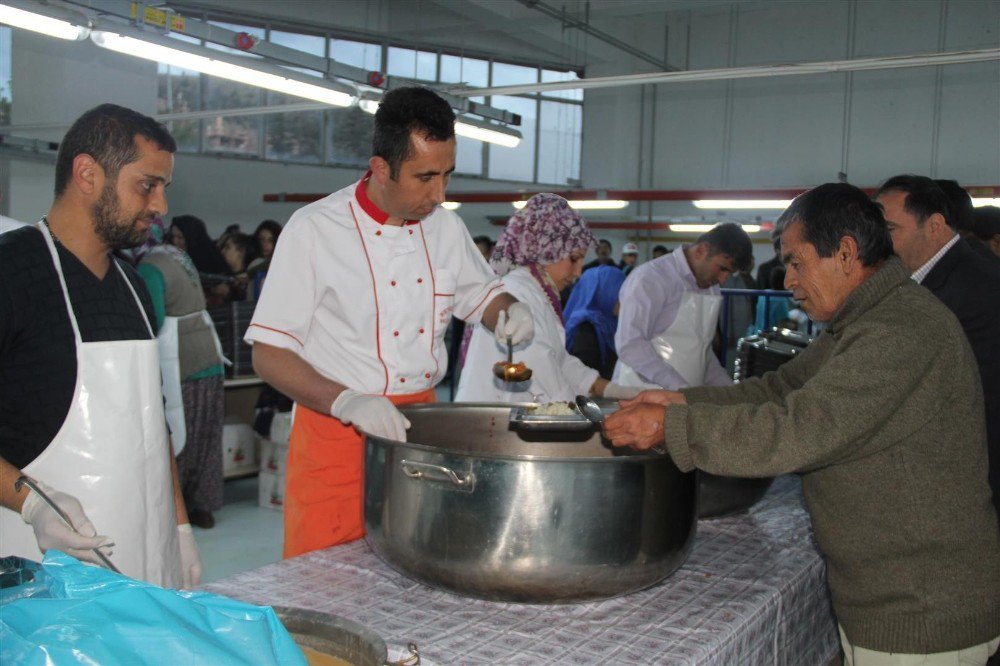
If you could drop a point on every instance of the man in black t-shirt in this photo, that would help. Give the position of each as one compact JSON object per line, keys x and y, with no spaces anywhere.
{"x":81,"y":410}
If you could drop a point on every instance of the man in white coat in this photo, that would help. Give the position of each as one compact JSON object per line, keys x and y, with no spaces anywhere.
{"x":352,"y":317}
{"x":670,"y":311}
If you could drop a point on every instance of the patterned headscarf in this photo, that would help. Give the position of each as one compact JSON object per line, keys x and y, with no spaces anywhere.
{"x":155,"y":245}
{"x":545,"y":231}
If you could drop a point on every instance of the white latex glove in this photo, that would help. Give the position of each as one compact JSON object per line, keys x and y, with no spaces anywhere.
{"x":515,"y":323}
{"x":190,"y":559}
{"x":52,"y":532}
{"x":372,"y":414}
{"x":618,"y":392}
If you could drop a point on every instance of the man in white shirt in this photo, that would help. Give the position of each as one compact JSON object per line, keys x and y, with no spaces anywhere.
{"x":670,"y":311}
{"x":918,"y":214}
{"x":351,"y":321}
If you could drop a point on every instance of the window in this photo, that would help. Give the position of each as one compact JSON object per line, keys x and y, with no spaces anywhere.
{"x":412,"y":64}
{"x":551,"y":122}
{"x":6,"y":97}
{"x":559,"y":134}
{"x":516,"y":163}
{"x":296,"y":136}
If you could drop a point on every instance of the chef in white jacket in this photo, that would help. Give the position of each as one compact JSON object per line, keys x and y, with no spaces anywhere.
{"x":351,"y":320}
{"x":670,"y":311}
{"x":540,"y":252}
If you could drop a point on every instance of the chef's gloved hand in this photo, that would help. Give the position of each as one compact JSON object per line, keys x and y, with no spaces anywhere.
{"x":52,"y":532}
{"x":514,"y":323}
{"x":190,"y":559}
{"x":618,"y":392}
{"x":373,"y":414}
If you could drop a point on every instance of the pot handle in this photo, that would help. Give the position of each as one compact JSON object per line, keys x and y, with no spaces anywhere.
{"x":439,"y":473}
{"x":412,"y":660}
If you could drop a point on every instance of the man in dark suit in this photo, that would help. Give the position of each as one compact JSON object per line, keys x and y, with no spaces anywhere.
{"x":969,"y":284}
{"x":764,"y":270}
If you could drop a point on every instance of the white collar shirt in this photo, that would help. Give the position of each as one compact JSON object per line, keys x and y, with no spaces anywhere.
{"x":367,"y":304}
{"x":919,"y":274}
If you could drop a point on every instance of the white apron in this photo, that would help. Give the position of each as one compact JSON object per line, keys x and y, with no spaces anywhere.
{"x":112,"y":453}
{"x":686,"y":344}
{"x":168,"y":343}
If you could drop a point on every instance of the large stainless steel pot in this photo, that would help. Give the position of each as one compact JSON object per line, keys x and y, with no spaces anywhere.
{"x":473,"y":507}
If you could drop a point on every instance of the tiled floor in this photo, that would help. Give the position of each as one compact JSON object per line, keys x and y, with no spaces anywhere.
{"x":245,"y":535}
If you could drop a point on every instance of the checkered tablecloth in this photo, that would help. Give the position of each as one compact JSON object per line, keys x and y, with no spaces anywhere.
{"x":752,"y":591}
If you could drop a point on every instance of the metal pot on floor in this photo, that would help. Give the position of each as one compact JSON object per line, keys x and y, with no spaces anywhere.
{"x":473,"y":506}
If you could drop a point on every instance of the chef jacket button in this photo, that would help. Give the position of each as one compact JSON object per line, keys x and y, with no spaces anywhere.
{"x":378,"y":233}
{"x":411,"y":232}
{"x":396,"y":333}
{"x":421,"y":330}
{"x":420,"y":280}
{"x":402,"y":380}
{"x":427,"y":375}
{"x":393,"y":283}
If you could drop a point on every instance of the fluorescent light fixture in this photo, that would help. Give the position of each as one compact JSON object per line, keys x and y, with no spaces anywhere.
{"x":46,"y":25}
{"x":368,"y":105}
{"x":216,"y":63}
{"x":451,"y":205}
{"x":723,"y":204}
{"x":979,"y":202}
{"x":702,"y":228}
{"x":486,"y":131}
{"x":582,"y":204}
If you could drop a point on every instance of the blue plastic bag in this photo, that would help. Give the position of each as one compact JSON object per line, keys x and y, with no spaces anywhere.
{"x":92,"y":615}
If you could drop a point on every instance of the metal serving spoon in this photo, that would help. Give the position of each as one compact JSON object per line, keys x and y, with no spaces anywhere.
{"x":591,"y":410}
{"x":508,"y":370}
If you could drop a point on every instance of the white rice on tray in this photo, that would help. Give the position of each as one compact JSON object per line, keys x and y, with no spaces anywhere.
{"x":553,"y":409}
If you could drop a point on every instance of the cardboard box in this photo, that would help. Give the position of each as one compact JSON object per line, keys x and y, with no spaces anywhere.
{"x":239,"y":449}
{"x":271,"y":480}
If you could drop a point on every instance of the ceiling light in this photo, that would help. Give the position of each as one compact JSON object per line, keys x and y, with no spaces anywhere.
{"x":702,"y":228}
{"x":723,"y":204}
{"x":216,"y":63}
{"x":46,"y":25}
{"x":481,"y":130}
{"x":451,"y":205}
{"x":368,"y":105}
{"x":581,"y":204}
{"x":979,"y":202}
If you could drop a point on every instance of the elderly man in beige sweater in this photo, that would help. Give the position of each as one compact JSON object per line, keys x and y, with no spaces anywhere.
{"x":883,"y":418}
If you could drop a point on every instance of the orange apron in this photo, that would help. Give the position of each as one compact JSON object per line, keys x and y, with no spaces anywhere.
{"x":324,"y":479}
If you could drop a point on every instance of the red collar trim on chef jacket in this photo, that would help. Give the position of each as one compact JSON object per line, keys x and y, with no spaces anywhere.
{"x":367,"y":205}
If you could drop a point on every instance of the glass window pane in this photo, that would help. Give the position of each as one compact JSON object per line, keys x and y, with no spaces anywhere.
{"x":559,"y":135}
{"x":312,"y":44}
{"x":515,"y":163}
{"x":469,"y":152}
{"x":6,"y":97}
{"x":350,"y":136}
{"x":293,"y":137}
{"x":179,"y":91}
{"x":509,"y":75}
{"x":412,"y":64}
{"x":474,"y":72}
{"x":231,"y":134}
{"x":549,"y":76}
{"x":357,"y":54}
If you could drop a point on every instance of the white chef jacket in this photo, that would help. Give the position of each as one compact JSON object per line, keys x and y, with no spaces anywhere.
{"x":556,"y":375}
{"x":367,"y":304}
{"x":9,"y":224}
{"x":649,"y":300}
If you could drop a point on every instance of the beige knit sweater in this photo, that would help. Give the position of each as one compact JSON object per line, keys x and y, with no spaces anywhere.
{"x":883,"y":417}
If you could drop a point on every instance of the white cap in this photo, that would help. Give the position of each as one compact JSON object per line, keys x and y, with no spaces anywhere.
{"x":630,"y":248}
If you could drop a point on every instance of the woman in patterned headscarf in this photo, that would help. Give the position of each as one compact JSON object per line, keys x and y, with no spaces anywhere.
{"x":540,"y":252}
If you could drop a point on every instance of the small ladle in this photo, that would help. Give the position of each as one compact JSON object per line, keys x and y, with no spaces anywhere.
{"x":509,"y":371}
{"x":590,"y":410}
